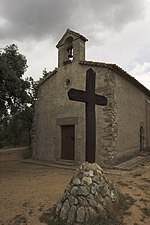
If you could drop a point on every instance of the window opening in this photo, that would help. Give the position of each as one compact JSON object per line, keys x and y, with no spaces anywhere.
{"x":70,"y":52}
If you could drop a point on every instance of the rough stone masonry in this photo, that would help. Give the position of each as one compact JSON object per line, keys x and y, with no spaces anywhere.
{"x":88,"y":196}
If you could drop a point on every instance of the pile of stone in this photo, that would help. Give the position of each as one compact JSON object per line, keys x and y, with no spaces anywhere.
{"x":88,"y":196}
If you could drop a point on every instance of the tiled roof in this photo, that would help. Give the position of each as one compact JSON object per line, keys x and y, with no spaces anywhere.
{"x":120,"y":72}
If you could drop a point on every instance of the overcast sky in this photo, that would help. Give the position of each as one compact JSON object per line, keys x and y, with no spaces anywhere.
{"x":118,"y":32}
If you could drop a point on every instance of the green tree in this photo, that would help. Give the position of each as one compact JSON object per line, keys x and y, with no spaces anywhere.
{"x":13,"y":89}
{"x":17,"y":97}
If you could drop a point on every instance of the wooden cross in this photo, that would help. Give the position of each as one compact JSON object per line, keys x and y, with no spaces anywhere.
{"x":90,"y":98}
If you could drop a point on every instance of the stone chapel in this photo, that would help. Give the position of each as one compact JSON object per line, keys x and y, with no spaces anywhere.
{"x":122,"y":126}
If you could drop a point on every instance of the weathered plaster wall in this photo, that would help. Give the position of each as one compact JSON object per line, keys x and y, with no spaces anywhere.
{"x":66,"y":108}
{"x":130,"y":115}
{"x":53,"y":106}
{"x":148,"y":123}
{"x":45,"y":108}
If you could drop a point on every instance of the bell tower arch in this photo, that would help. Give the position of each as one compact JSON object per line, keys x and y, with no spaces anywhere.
{"x":71,"y":48}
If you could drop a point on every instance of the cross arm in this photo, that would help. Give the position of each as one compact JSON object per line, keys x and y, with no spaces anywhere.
{"x":100,"y":100}
{"x":77,"y":95}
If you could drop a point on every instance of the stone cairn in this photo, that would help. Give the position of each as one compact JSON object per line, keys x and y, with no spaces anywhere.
{"x":88,"y":196}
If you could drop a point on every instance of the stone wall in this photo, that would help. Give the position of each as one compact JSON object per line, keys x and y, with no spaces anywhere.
{"x":88,"y":196}
{"x":110,"y":127}
{"x":106,"y":127}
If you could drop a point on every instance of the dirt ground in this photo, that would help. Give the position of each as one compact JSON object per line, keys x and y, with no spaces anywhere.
{"x":27,"y":190}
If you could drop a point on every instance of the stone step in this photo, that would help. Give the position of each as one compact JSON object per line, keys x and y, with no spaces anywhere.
{"x":50,"y":164}
{"x":132,"y":163}
{"x":65,"y":162}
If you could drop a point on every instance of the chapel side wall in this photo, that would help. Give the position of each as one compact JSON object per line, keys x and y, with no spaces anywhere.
{"x":130,"y":115}
{"x":148,"y":123}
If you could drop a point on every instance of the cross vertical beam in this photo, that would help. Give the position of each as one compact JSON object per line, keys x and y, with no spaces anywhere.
{"x":90,"y":117}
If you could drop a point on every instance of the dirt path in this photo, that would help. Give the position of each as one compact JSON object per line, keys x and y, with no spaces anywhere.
{"x":27,"y":190}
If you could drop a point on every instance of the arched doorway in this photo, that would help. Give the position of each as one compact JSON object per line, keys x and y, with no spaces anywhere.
{"x":141,"y":138}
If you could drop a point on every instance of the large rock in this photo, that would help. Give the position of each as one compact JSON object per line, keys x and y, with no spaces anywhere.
{"x":88,"y":196}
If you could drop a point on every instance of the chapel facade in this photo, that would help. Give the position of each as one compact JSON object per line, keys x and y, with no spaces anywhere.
{"x":122,"y":126}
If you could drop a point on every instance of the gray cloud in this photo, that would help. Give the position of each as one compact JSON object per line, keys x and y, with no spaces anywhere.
{"x":33,"y":18}
{"x":37,"y":19}
{"x":116,"y":13}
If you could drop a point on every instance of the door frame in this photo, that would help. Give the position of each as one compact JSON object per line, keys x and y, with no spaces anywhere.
{"x":65,"y":153}
{"x":62,"y":122}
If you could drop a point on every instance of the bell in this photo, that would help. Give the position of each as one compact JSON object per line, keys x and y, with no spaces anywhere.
{"x":70,"y":53}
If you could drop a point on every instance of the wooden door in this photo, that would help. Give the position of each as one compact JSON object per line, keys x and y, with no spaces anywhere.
{"x":141,"y":138}
{"x":67,"y":142}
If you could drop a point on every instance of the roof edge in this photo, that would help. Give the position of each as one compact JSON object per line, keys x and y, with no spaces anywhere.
{"x":45,"y":78}
{"x":78,"y":35}
{"x":119,"y":71}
